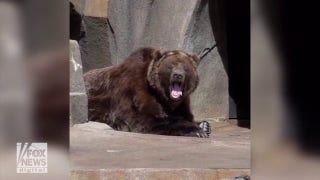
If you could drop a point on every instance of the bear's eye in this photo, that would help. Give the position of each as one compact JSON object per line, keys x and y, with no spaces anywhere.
{"x":186,"y":68}
{"x":169,"y":66}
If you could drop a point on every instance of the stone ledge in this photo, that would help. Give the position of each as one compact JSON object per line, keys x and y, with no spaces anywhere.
{"x":95,"y":146}
{"x":158,"y":174}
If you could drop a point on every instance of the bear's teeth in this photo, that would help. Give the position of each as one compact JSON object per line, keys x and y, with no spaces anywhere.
{"x":176,"y":94}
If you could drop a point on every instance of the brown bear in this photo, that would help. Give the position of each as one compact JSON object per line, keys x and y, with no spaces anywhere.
{"x":147,"y":93}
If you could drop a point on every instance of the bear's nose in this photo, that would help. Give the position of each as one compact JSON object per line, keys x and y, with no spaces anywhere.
{"x":177,"y":76}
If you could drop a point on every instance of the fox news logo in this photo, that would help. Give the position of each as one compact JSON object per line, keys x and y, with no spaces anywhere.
{"x":32,"y":158}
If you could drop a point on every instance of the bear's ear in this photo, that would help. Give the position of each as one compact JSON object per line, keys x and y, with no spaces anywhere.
{"x":157,"y":54}
{"x":196,"y":59}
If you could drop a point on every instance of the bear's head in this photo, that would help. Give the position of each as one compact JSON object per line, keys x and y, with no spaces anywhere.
{"x":173,"y":74}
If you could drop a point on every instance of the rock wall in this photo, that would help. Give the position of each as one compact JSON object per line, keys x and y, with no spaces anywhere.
{"x":95,"y":51}
{"x":78,"y":97}
{"x":166,"y":24}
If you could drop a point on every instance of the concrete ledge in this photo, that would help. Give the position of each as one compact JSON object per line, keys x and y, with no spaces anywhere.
{"x":158,"y":174}
{"x":95,"y":146}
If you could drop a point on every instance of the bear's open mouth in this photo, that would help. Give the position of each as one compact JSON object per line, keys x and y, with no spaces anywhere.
{"x":176,"y":90}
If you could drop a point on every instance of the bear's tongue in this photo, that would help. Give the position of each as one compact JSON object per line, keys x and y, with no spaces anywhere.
{"x":176,"y":91}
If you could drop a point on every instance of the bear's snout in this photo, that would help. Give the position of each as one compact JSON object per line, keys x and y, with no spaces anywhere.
{"x":177,"y":75}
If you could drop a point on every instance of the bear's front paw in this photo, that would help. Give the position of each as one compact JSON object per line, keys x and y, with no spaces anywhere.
{"x":161,"y":115}
{"x":203,"y":134}
{"x":205,"y":129}
{"x":205,"y":126}
{"x":199,"y":133}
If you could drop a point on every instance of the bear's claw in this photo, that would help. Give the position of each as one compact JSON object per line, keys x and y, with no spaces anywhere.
{"x":206,"y":128}
{"x":162,"y":115}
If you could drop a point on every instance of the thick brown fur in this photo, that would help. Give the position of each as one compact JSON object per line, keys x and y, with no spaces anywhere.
{"x":134,"y":95}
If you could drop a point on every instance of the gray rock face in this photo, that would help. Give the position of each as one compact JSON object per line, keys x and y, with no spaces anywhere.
{"x":76,"y":79}
{"x":78,"y":97}
{"x":78,"y":108}
{"x":211,"y":99}
{"x":94,"y":46}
